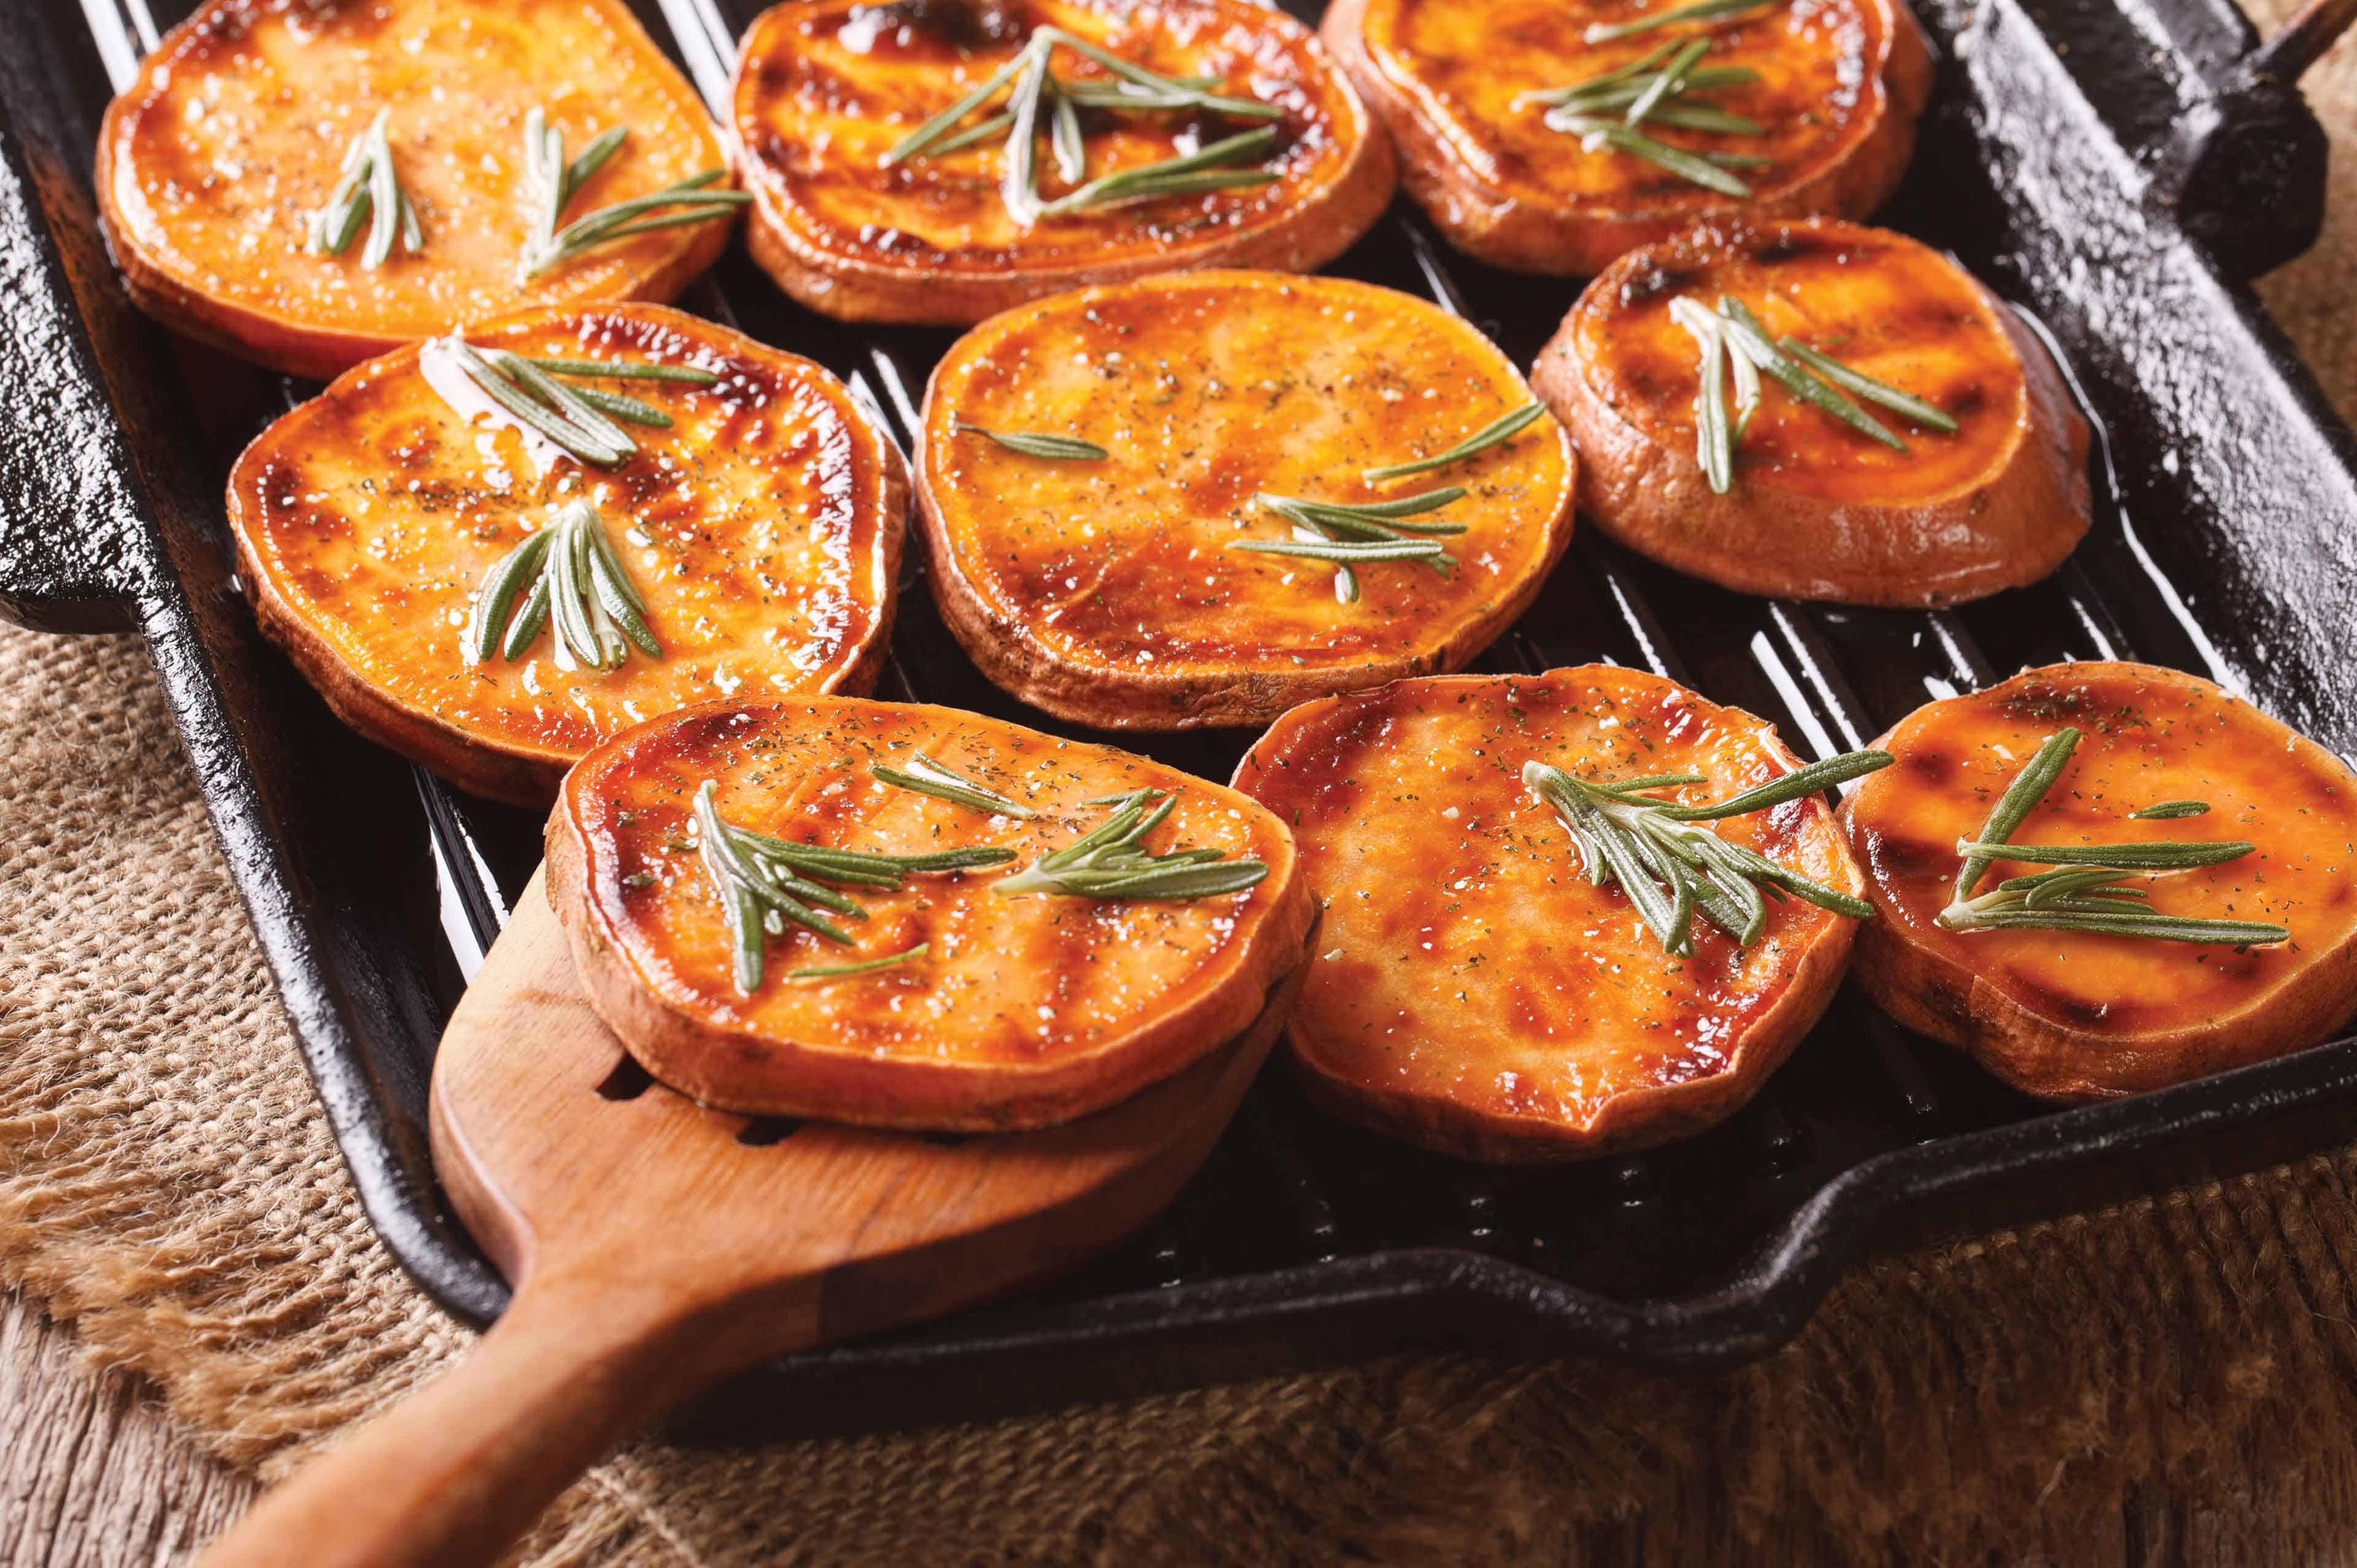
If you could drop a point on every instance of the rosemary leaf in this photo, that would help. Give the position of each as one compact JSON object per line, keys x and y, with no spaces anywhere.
{"x":559,"y":429}
{"x":1811,"y":779}
{"x":1667,"y":83}
{"x":2021,"y":797}
{"x":1865,"y":386}
{"x":2156,"y":856}
{"x":1589,"y":86}
{"x":627,"y":370}
{"x":1037,"y":444}
{"x":1496,"y":433}
{"x":1749,"y":338}
{"x":1700,"y":11}
{"x":1714,"y":439}
{"x":1129,"y":71}
{"x":1064,"y":136}
{"x":577,"y":581}
{"x":1342,"y":549}
{"x":368,"y":187}
{"x":845,"y":970}
{"x":929,"y":777}
{"x":925,"y":137}
{"x":1194,"y":171}
{"x":1111,"y":862}
{"x":997,"y":125}
{"x":502,"y":586}
{"x":1636,"y":143}
{"x":1019,"y":182}
{"x":2165,"y":811}
{"x":622,"y":407}
{"x":552,"y":183}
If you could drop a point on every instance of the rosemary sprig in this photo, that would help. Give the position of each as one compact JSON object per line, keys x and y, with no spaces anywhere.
{"x":1112,"y":863}
{"x":843,"y":970}
{"x":1170,"y":176}
{"x":1671,"y":868}
{"x":1749,"y":338}
{"x":1597,"y":134}
{"x":1667,"y":83}
{"x":1036,"y":444}
{"x":2086,"y":890}
{"x":1701,"y":11}
{"x":1714,"y":437}
{"x":572,"y":418}
{"x":552,"y":184}
{"x":1352,"y":534}
{"x":766,"y":884}
{"x":2165,"y":811}
{"x":1865,"y":386}
{"x":568,"y":572}
{"x":929,"y":777}
{"x":368,"y":187}
{"x":1496,"y":433}
{"x":1038,"y":96}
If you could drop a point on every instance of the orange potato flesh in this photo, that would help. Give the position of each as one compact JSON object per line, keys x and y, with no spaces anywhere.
{"x":763,"y":530}
{"x":826,"y":90}
{"x":213,"y":166}
{"x":1206,"y":388}
{"x":1024,"y":1009}
{"x":1886,"y":305}
{"x":1472,"y":990}
{"x":1464,"y":64}
{"x":2137,"y":1011}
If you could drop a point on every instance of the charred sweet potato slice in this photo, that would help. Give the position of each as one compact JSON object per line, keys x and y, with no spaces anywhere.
{"x":1114,"y":591}
{"x":1021,"y":1010}
{"x":213,"y":166}
{"x":2080,"y":1016}
{"x":762,"y":528}
{"x":1818,"y":509}
{"x":1472,"y":991}
{"x":826,"y":89}
{"x":1835,"y":87}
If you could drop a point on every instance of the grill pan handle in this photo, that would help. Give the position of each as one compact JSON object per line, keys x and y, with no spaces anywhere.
{"x":2241,"y":165}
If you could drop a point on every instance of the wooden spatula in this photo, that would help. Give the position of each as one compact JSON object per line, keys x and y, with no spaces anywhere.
{"x":653,"y":1251}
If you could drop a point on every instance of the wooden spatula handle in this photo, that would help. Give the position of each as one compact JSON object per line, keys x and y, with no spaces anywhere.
{"x":458,"y":1470}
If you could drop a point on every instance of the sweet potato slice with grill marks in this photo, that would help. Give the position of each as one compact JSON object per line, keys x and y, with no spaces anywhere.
{"x":762,"y":528}
{"x":1818,"y":510}
{"x":2079,"y":1015}
{"x":1472,"y":991}
{"x":826,"y":90}
{"x":1020,"y":1012}
{"x":1111,"y":592}
{"x":213,"y":164}
{"x":1839,"y":86}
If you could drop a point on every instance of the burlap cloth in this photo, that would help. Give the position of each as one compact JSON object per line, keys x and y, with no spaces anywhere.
{"x":2173,"y":1381}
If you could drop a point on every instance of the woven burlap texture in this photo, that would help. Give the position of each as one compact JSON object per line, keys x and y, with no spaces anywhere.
{"x":167,"y":1184}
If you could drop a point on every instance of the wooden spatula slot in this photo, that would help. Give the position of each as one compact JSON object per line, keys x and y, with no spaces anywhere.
{"x":657,"y":1246}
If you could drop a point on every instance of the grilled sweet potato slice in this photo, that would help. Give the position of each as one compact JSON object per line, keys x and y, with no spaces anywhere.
{"x":1473,"y":992}
{"x":1818,"y":510}
{"x":2076,"y":1015}
{"x":1020,"y":1012}
{"x":825,"y":90}
{"x":213,"y":166}
{"x":1838,"y":86}
{"x":762,"y":528}
{"x":1112,"y":592}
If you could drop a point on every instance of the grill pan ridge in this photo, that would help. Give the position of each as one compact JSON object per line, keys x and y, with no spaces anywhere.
{"x":2067,"y":160}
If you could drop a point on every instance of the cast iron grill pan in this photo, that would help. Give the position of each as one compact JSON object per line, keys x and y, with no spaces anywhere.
{"x":2222,"y":545}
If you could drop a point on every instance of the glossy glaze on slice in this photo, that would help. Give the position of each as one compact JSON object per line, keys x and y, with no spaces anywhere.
{"x":2072,"y":1015}
{"x":1472,"y":992}
{"x":825,"y":90}
{"x":1024,"y":1011}
{"x":763,"y":530}
{"x":1819,"y":510}
{"x":213,"y":164}
{"x":1841,"y":83}
{"x":1103,"y":592}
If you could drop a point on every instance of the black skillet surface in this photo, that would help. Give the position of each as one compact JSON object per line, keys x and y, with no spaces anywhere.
{"x":2109,"y":165}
